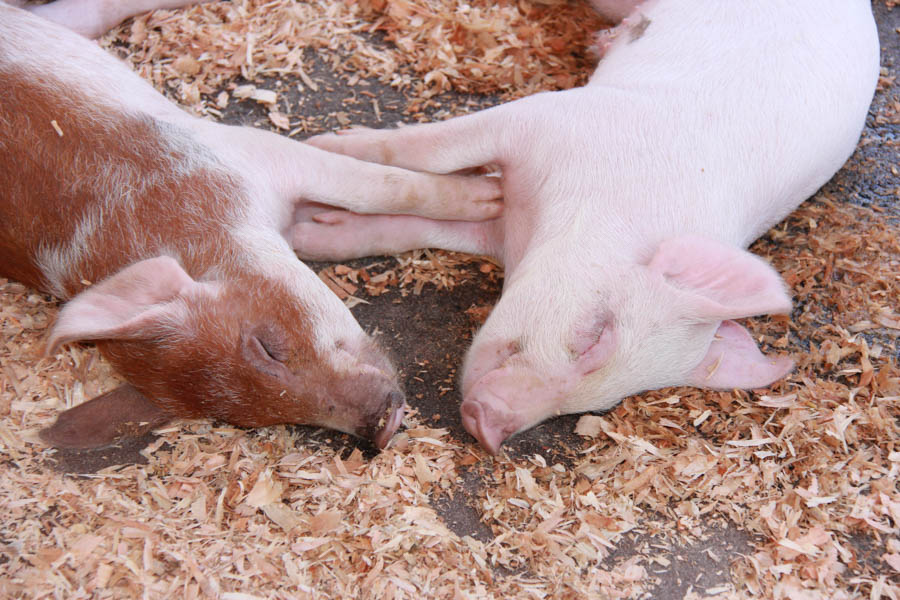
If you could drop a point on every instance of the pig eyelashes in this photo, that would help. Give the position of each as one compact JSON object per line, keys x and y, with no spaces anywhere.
{"x":594,"y":346}
{"x":508,"y":351}
{"x":273,"y":350}
{"x":265,"y":355}
{"x":587,"y":337}
{"x":269,"y":338}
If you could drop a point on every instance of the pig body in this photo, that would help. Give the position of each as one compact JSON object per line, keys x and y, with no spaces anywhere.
{"x":166,"y":233}
{"x":629,"y":202}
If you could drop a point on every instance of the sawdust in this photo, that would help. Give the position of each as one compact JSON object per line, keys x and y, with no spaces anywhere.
{"x":226,"y":513}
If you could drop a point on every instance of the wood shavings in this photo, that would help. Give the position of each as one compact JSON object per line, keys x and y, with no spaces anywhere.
{"x":807,"y":467}
{"x":412,"y":272}
{"x":589,"y":426}
{"x":517,"y":48}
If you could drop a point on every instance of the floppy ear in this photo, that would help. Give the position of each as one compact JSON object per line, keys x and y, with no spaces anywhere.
{"x":121,"y":413}
{"x":734,"y":361}
{"x":124,"y":304}
{"x":722,"y":282}
{"x":719,"y":282}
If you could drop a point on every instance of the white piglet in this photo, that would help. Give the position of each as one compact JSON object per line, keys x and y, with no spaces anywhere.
{"x":629,"y":202}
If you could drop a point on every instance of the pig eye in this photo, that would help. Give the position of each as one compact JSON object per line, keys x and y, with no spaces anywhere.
{"x":270,"y":349}
{"x":265,"y":356}
{"x":267,"y":351}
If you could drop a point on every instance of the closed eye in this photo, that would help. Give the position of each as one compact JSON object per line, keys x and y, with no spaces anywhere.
{"x":273,"y":351}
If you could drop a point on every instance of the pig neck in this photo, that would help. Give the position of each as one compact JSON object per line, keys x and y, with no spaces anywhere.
{"x":578,"y":236}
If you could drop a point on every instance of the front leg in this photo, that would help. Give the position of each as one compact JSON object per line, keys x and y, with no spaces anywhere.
{"x":298,"y":173}
{"x":342,"y":235}
{"x":501,"y":136}
{"x":448,"y":146}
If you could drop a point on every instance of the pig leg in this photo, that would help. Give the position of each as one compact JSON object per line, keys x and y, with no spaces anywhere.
{"x":301,"y":174}
{"x":93,"y":18}
{"x":473,"y":140}
{"x":366,"y":187}
{"x":342,"y":235}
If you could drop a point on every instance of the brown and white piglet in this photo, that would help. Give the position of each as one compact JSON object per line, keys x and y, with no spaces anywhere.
{"x":166,"y":235}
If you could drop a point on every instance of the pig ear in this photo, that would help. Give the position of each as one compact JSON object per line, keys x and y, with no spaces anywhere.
{"x":734,"y":361}
{"x":724,"y":282}
{"x":122,"y":413}
{"x":124,"y":304}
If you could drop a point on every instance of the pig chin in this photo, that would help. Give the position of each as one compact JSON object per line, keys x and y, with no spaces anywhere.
{"x":381,"y":424}
{"x":368,"y":379}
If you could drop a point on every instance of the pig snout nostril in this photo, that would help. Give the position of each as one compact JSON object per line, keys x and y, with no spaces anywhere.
{"x":390,"y":419}
{"x":479,"y":422}
{"x":396,"y":398}
{"x":471,"y":415}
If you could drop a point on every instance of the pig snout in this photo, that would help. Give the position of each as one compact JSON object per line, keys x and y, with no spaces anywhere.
{"x":381,"y":425}
{"x":509,"y":400}
{"x":369,"y":404}
{"x":372,"y":403}
{"x":352,"y":387}
{"x":489,"y":420}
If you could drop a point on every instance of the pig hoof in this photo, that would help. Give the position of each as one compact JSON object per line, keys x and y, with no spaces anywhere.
{"x":328,"y":236}
{"x":322,"y":141}
{"x":353,"y":130}
{"x":483,"y":210}
{"x":334,"y":142}
{"x":391,"y":420}
{"x":360,"y":143}
{"x":332,"y":217}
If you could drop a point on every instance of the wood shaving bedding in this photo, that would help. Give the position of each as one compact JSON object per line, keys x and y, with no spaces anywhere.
{"x":807,"y":468}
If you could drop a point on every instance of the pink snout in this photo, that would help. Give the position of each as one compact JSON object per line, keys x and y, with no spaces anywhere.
{"x":510,"y":399}
{"x":488,"y":424}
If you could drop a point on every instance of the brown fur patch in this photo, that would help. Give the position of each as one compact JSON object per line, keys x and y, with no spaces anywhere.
{"x":149,"y":190}
{"x":120,"y":171}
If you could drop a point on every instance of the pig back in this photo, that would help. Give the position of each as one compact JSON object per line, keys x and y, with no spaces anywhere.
{"x":86,"y":188}
{"x":749,"y":107}
{"x":97,"y":169}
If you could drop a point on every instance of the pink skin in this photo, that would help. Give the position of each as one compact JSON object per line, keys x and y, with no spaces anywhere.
{"x":343,"y":235}
{"x":734,"y":361}
{"x":631,"y":201}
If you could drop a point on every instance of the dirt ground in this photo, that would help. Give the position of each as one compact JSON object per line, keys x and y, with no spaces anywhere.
{"x":428,"y":333}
